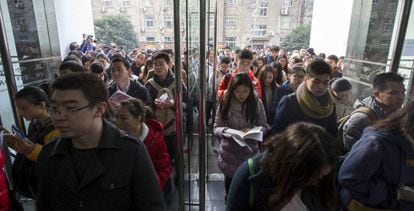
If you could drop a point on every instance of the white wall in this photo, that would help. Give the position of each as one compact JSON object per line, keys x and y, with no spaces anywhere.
{"x":330,"y":25}
{"x":74,"y":18}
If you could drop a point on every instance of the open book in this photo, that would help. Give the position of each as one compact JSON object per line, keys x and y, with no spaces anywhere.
{"x":240,"y":136}
{"x":117,"y":97}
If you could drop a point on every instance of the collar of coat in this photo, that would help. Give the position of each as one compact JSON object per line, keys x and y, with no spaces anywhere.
{"x":110,"y":139}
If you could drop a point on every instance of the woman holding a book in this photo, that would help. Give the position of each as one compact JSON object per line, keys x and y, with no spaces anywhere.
{"x":239,"y":109}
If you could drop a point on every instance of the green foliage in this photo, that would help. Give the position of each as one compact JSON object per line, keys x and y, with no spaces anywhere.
{"x":297,"y":39}
{"x":117,"y":29}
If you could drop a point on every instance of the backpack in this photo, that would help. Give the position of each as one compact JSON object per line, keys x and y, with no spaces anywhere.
{"x":341,"y":123}
{"x":167,"y":115}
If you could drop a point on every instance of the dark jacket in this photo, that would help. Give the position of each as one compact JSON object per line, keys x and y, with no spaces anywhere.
{"x":357,"y":122}
{"x":238,"y":198}
{"x":120,"y":176}
{"x":288,"y":112}
{"x":269,"y":107}
{"x":136,"y":90}
{"x":377,"y":165}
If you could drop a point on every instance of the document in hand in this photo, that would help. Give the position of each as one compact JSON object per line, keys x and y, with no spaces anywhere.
{"x":117,"y":97}
{"x":240,"y":136}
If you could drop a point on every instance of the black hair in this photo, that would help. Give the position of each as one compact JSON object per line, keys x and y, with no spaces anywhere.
{"x":318,"y":67}
{"x":380,"y":81}
{"x":73,"y":65}
{"x":333,"y":57}
{"x":73,"y":46}
{"x":120,"y":58}
{"x":34,"y":95}
{"x":297,"y":67}
{"x":91,"y":86}
{"x":87,"y":59}
{"x":136,"y":107}
{"x":162,"y":55}
{"x":97,"y":67}
{"x":225,"y":60}
{"x":245,"y":54}
{"x":76,"y":53}
{"x":249,"y":106}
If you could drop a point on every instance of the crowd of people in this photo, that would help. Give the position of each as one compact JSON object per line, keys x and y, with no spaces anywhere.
{"x":102,"y":134}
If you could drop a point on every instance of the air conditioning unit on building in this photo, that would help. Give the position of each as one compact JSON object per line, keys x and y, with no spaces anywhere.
{"x":123,"y":9}
{"x":285,"y":11}
{"x":144,"y":9}
{"x":271,"y":33}
{"x":103,"y":9}
{"x":164,"y":8}
{"x":142,"y":29}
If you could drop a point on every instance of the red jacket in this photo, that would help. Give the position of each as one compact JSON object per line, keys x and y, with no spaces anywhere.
{"x":256,"y":84}
{"x":4,"y":191}
{"x":157,"y":151}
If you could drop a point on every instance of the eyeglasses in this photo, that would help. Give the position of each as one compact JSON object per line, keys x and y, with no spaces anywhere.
{"x":54,"y":109}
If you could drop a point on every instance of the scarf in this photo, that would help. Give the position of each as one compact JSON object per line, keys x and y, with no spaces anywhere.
{"x":311,"y":105}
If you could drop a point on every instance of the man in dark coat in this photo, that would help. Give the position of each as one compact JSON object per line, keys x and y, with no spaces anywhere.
{"x":94,"y":166}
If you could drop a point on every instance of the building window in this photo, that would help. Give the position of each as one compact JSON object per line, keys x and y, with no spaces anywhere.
{"x":230,"y":2}
{"x":385,"y":44}
{"x":21,"y":24}
{"x":106,"y":3}
{"x":230,"y":21}
{"x":263,"y":9}
{"x":211,"y":21}
{"x":231,"y":42}
{"x":387,"y":25}
{"x":259,"y":30}
{"x":125,"y":3}
{"x":375,"y":4}
{"x":168,"y":22}
{"x":285,"y":23}
{"x":168,"y":2}
{"x":149,"y":22}
{"x":150,"y":39}
{"x":308,"y":3}
{"x":168,"y":39}
{"x":287,"y":3}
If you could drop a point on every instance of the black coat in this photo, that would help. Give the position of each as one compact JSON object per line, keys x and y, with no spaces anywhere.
{"x":136,"y":90}
{"x":120,"y":176}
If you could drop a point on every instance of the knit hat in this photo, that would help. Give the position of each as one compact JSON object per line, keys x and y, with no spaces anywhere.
{"x":340,"y":85}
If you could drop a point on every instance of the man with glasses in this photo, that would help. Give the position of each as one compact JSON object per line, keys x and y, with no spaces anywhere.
{"x":244,"y":63}
{"x":94,"y":166}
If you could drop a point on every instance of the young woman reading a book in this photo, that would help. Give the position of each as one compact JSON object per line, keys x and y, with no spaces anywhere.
{"x":240,"y":109}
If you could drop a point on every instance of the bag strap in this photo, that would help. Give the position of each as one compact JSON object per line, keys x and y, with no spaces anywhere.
{"x":368,"y":111}
{"x":154,"y":84}
{"x":251,"y":172}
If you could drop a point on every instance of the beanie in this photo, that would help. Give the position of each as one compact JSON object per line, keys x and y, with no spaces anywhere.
{"x":341,"y":84}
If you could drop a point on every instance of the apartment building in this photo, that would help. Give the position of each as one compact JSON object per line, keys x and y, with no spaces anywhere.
{"x":239,"y":22}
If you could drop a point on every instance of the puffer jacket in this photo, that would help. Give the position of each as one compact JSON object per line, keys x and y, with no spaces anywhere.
{"x":357,"y":122}
{"x":231,"y":154}
{"x":157,"y":150}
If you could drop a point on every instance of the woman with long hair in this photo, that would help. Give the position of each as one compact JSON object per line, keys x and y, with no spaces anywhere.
{"x":240,"y":109}
{"x":378,"y":173}
{"x":296,"y":172}
{"x":267,"y":81}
